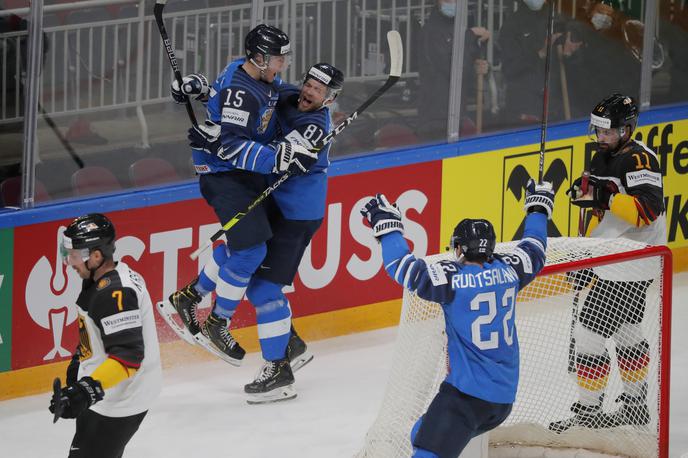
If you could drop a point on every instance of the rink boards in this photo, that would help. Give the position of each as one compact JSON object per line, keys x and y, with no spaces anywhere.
{"x":341,"y":286}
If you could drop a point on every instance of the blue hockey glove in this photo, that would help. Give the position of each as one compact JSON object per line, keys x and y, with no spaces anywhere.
{"x":195,"y":86}
{"x":382,"y":216}
{"x":539,"y":198}
{"x":76,"y":397}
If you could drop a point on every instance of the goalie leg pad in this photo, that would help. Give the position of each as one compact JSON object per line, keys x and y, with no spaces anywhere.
{"x":454,"y":418}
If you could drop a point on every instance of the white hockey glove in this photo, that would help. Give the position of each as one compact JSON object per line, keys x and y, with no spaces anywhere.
{"x":206,"y":138}
{"x":539,"y":198}
{"x":382,"y":216}
{"x":294,"y":158}
{"x":195,"y":86}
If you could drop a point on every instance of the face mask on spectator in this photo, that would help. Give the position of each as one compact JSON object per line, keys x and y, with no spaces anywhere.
{"x":534,"y":5}
{"x":601,"y":21}
{"x":448,"y":9}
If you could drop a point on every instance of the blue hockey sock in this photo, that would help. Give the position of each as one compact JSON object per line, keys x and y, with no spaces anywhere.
{"x":273,"y":316}
{"x":207,"y":279}
{"x":234,"y":277}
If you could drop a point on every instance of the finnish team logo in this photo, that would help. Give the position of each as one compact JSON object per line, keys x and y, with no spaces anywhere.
{"x":518,"y":169}
{"x":51,"y":292}
{"x":265,"y":120}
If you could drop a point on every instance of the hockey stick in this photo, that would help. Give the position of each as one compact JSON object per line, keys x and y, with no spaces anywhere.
{"x":396,"y":53}
{"x":574,"y":307}
{"x":57,"y":399}
{"x":545,"y":95}
{"x":157,"y":12}
{"x":65,"y":143}
{"x":564,"y":83}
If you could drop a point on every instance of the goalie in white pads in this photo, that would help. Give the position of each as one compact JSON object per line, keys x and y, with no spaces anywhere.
{"x":115,"y":375}
{"x":477,"y":292}
{"x":625,"y":193}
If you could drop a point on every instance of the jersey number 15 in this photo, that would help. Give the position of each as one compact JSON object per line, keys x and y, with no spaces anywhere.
{"x":490,"y":298}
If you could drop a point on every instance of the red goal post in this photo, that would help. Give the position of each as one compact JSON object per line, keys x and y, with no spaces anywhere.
{"x":546,"y":388}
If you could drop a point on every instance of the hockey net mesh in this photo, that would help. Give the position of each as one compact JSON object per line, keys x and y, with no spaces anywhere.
{"x":547,"y":387}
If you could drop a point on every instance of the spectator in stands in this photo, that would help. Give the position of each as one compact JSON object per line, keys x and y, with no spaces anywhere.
{"x":11,"y":75}
{"x":523,"y":41}
{"x":673,"y":33}
{"x":435,"y":54}
{"x":604,"y":63}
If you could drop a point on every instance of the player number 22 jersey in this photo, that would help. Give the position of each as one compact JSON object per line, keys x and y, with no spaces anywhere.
{"x":479,"y":308}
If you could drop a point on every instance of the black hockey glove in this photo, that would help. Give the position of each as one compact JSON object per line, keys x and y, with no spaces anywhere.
{"x":195,"y":86}
{"x":73,"y":368}
{"x":598,"y":195}
{"x":293,"y":158}
{"x":382,"y":216}
{"x":207,"y":138}
{"x":539,"y":198}
{"x":76,"y":397}
{"x":578,"y":188}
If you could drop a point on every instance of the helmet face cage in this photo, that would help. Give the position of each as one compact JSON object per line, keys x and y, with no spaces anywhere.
{"x":475,"y":237}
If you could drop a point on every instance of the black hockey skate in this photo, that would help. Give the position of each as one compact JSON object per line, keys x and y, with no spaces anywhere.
{"x":182,"y":303}
{"x":215,"y":330}
{"x":185,"y":302}
{"x":632,"y":412}
{"x":584,"y":417}
{"x":275,"y":382}
{"x":297,"y":351}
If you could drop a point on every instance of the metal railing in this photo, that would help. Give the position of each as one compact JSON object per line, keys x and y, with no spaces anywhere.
{"x":101,"y":64}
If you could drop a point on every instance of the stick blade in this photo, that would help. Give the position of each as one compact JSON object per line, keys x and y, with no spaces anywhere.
{"x":57,"y":399}
{"x":396,"y":53}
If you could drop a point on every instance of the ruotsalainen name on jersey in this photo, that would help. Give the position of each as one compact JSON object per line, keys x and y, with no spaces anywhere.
{"x":482,"y":279}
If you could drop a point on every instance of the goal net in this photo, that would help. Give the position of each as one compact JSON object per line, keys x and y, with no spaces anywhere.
{"x":545,"y":312}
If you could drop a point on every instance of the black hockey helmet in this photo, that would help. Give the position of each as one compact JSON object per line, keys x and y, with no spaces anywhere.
{"x":615,"y":111}
{"x":266,"y":40}
{"x":327,"y":74}
{"x":476,"y":237}
{"x":90,"y":232}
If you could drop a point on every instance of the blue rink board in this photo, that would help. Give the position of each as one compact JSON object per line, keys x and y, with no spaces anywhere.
{"x":350,"y":165}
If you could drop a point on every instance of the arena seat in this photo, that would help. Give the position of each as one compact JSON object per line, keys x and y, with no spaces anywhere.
{"x":94,"y":180}
{"x":394,"y":135}
{"x":151,"y":171}
{"x":10,"y":192}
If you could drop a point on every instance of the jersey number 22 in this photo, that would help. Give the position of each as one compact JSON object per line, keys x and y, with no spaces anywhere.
{"x":490,"y":298}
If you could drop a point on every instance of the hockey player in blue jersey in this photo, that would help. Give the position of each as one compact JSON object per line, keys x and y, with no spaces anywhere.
{"x":298,"y":211}
{"x":233,"y":153}
{"x":477,"y":292}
